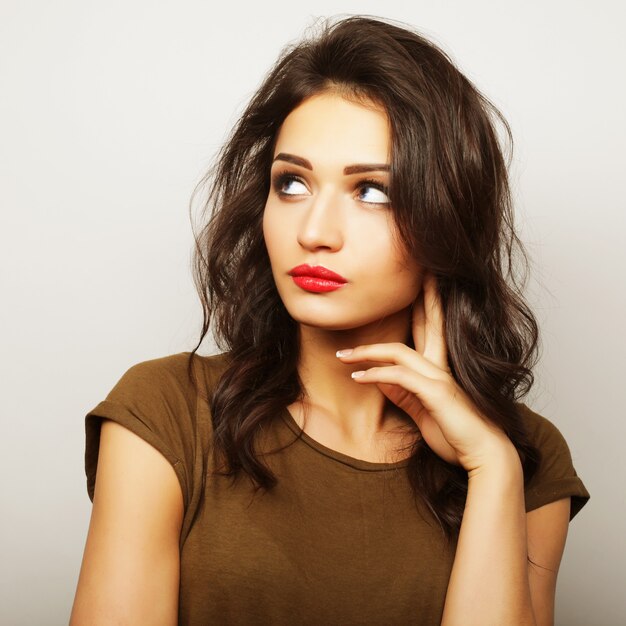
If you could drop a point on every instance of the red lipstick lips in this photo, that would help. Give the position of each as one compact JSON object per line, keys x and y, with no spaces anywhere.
{"x":316,"y":278}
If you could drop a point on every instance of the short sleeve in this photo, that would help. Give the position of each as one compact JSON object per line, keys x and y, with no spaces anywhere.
{"x":555,"y":477}
{"x":153,"y":401}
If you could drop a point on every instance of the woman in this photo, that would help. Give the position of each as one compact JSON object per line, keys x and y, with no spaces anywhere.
{"x":358,"y":452}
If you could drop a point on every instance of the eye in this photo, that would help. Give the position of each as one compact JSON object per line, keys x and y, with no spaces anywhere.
{"x":288,"y":185}
{"x":374,"y":192}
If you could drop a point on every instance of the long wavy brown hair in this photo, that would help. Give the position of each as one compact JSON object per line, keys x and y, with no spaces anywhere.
{"x":450,"y":196}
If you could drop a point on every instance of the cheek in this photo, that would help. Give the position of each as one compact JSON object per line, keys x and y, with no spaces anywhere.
{"x":403,"y":275}
{"x":277,"y":242}
{"x":380,"y":250}
{"x":414,"y":282}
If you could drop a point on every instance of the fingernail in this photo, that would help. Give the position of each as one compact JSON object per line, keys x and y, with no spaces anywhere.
{"x":357,"y":374}
{"x":346,"y":352}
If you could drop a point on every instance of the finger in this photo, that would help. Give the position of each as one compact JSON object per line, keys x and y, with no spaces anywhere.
{"x":418,"y":322}
{"x":396,"y":353}
{"x":429,"y":391}
{"x":435,"y":349}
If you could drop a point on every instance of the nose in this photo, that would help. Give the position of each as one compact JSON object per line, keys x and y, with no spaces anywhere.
{"x":321,"y":223}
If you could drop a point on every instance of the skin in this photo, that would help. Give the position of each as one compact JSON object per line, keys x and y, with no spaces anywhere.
{"x":321,"y":218}
{"x":130,"y":569}
{"x":335,"y":220}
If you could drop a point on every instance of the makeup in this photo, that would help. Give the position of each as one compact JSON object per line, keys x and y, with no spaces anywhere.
{"x":316,"y":278}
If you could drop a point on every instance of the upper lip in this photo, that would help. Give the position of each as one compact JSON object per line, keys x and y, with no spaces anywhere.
{"x":319,"y":271}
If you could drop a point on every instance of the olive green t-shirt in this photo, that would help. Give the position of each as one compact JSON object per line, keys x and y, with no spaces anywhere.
{"x":338,"y":541}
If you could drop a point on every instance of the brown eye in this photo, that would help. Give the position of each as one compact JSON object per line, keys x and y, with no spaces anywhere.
{"x":375,"y":192}
{"x":288,"y":185}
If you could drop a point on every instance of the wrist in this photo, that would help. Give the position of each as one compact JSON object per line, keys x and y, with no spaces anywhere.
{"x":502,"y":462}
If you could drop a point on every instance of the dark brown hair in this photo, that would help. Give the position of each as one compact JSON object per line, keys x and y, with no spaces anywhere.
{"x":450,"y":196}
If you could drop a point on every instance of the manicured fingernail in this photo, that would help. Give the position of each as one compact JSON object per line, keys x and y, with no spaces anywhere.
{"x":358,"y":374}
{"x":346,"y":352}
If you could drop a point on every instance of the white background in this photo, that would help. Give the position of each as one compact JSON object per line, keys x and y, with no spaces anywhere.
{"x":110,"y":112}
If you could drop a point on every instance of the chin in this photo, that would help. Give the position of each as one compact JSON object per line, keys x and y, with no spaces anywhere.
{"x":331,"y":321}
{"x":324,"y":312}
{"x":325,"y":320}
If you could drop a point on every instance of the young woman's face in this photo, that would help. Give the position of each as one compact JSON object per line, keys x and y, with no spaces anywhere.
{"x":321,"y":211}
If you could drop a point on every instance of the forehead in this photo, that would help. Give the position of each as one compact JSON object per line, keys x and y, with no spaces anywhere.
{"x":328,"y":127}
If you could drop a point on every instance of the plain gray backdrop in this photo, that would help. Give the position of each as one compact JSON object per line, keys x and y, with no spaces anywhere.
{"x":110,"y":112}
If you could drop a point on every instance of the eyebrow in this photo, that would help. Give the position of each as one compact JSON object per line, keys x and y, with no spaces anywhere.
{"x":357,"y":168}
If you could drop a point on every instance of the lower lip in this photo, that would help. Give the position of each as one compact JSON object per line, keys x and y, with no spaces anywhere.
{"x":318,"y":285}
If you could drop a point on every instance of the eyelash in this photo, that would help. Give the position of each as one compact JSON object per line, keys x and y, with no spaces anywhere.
{"x":280,"y":178}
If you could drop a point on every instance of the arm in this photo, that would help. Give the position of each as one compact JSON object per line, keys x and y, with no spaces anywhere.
{"x":130,"y":568}
{"x":492,"y":582}
{"x":547,"y":531}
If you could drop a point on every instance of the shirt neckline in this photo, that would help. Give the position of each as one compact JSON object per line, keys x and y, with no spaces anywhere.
{"x":360,"y":464}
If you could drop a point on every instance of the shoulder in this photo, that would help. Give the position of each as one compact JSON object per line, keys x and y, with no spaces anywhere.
{"x":144,"y":374}
{"x":555,"y":476}
{"x":538,"y":426}
{"x":181,"y":373}
{"x":541,"y":430}
{"x":160,"y":401}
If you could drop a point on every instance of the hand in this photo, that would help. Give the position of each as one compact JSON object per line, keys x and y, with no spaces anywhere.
{"x":420,"y":382}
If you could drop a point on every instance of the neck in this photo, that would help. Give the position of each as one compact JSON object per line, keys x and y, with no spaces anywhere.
{"x":356,"y":412}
